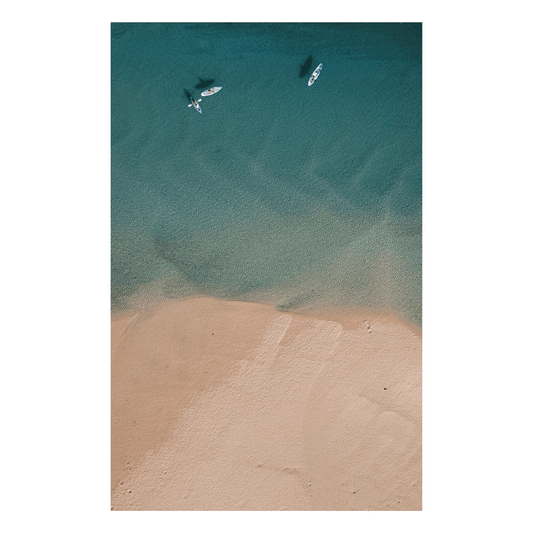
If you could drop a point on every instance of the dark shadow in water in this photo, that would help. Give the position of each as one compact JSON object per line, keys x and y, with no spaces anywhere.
{"x":204,"y":83}
{"x":306,"y":67}
{"x":198,"y":264}
{"x":187,"y":94}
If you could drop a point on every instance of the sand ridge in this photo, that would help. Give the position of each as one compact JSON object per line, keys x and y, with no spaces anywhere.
{"x":223,"y":405}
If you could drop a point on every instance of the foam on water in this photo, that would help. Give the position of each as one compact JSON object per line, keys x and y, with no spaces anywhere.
{"x":278,"y":192}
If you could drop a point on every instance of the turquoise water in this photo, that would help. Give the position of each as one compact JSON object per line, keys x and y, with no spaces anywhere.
{"x":297,"y":196}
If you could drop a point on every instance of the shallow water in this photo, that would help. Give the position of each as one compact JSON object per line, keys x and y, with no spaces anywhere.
{"x":278,"y":192}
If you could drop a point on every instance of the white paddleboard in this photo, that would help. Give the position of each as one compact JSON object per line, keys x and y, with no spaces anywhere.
{"x":211,"y":91}
{"x":315,"y":74}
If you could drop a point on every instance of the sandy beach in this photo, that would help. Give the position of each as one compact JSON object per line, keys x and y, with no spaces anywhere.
{"x":223,"y":405}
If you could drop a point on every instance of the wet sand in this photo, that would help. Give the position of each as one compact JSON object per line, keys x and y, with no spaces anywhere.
{"x":223,"y":405}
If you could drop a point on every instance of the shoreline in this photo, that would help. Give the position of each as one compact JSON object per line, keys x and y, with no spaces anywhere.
{"x":348,"y":317}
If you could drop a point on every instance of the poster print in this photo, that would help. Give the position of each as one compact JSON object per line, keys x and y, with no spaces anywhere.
{"x":266,"y":266}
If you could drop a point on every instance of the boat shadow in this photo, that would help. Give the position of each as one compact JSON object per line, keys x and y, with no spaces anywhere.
{"x":306,"y":67}
{"x":204,"y":83}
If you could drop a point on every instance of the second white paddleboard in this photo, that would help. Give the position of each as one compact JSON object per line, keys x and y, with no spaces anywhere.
{"x":315,"y":75}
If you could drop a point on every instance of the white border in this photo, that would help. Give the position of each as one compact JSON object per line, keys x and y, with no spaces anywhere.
{"x":100,"y":14}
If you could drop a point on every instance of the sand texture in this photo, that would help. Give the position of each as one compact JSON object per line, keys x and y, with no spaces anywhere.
{"x":223,"y":405}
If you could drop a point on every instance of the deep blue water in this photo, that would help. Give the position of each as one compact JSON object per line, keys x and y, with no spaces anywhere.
{"x":278,"y":192}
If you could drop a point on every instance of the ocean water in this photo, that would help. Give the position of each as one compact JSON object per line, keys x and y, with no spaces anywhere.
{"x":301,"y":197}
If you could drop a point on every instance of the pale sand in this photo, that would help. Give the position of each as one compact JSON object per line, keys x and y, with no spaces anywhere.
{"x":221,"y":405}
